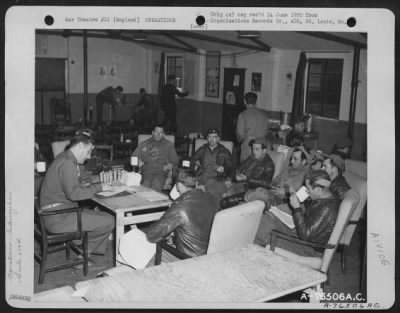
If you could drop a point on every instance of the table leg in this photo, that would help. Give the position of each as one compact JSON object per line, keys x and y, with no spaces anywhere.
{"x":119,"y":231}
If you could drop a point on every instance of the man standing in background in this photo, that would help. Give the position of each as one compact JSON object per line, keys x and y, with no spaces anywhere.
{"x":110,"y":96}
{"x":252,"y":123}
{"x":168,"y":103}
{"x":144,"y":112}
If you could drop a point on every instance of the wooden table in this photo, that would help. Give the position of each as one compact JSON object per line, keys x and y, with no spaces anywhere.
{"x":248,"y":274}
{"x":133,"y":209}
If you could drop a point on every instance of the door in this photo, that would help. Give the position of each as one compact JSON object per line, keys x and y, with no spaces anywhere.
{"x":233,"y":101}
{"x":50,"y":77}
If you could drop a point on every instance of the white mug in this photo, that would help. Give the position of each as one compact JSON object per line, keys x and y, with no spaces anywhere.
{"x":41,"y":167}
{"x":134,"y":161}
{"x":185,"y":163}
{"x":174,"y":194}
{"x":302,"y":194}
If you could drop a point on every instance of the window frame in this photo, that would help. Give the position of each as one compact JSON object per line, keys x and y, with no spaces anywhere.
{"x":180,"y":83}
{"x":324,"y":88}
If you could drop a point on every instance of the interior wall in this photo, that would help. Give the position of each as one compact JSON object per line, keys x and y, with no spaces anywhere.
{"x":132,"y":66}
{"x":138,"y":67}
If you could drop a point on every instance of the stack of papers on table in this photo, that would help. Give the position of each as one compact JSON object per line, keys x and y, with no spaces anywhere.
{"x":284,"y":217}
{"x":117,"y":191}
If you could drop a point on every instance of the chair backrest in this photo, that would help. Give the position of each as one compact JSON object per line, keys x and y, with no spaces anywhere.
{"x":200,"y":141}
{"x":346,"y":209}
{"x":143,"y":137}
{"x":359,"y":184}
{"x":278,"y":158}
{"x":58,"y":147}
{"x":235,"y":227}
{"x":355,"y":166}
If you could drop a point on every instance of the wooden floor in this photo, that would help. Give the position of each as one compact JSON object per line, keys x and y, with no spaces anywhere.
{"x":339,"y":282}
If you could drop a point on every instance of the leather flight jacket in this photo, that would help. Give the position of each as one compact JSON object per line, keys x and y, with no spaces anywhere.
{"x":259,"y":172}
{"x":317,"y":221}
{"x":190,"y":218}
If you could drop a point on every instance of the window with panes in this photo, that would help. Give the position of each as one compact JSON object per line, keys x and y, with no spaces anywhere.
{"x":324,"y":85}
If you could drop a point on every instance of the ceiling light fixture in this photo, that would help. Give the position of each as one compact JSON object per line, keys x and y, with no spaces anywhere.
{"x":249,"y":34}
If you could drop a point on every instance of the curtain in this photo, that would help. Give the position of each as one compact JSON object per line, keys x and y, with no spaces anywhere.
{"x":298,"y":95}
{"x":160,"y":84}
{"x":161,"y":72}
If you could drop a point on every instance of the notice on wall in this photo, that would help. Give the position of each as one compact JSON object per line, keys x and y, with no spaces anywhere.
{"x":267,"y":43}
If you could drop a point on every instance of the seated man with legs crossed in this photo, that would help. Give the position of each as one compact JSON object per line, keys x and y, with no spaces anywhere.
{"x":189,"y":218}
{"x":314,"y":219}
{"x":253,"y":174}
{"x":63,"y":186}
{"x":157,"y":156}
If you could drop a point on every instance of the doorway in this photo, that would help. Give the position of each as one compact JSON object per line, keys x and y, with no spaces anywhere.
{"x":50,"y":82}
{"x":233,"y":101}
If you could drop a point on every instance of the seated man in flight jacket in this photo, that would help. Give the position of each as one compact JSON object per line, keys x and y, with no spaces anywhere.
{"x":189,"y":218}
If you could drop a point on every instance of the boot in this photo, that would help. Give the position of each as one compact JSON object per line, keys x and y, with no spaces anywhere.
{"x":231,"y":201}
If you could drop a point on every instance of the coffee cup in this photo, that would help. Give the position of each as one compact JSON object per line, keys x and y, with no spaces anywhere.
{"x":41,"y":167}
{"x":134,"y":161}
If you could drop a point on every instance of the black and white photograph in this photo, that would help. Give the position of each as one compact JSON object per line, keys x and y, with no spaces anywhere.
{"x":180,"y":162}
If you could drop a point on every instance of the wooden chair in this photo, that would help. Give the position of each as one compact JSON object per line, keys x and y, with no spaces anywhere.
{"x":358,"y":184}
{"x":233,"y":227}
{"x":200,"y":141}
{"x":54,"y":242}
{"x":346,"y":209}
{"x":59,"y":146}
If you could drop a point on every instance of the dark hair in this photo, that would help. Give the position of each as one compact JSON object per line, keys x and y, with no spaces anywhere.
{"x":82,"y":135}
{"x":302,"y":154}
{"x":265,"y":144}
{"x":119,"y":88}
{"x":333,"y":163}
{"x":187,"y":177}
{"x":295,"y":140}
{"x":142,"y":90}
{"x":159,"y":125}
{"x":171,"y":77}
{"x":315,"y":175}
{"x":250,"y":97}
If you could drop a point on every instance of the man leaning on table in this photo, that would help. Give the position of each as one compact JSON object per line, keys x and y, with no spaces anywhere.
{"x":189,"y":218}
{"x":157,"y":156}
{"x":63,"y":186}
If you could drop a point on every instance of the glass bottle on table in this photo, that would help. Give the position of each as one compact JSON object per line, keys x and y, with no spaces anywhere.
{"x":135,"y":164}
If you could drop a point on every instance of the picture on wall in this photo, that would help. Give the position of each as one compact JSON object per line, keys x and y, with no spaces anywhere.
{"x":256,"y":81}
{"x":212,"y":73}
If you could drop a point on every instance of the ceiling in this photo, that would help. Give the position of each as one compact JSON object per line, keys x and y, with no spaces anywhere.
{"x":195,"y":41}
